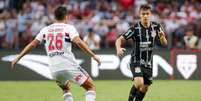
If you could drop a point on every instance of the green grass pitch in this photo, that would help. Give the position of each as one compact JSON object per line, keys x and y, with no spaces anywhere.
{"x":107,"y":90}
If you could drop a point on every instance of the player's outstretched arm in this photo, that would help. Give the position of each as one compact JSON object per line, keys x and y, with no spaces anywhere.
{"x":26,"y":50}
{"x":118,"y":44}
{"x":85,"y":48}
{"x":162,"y":38}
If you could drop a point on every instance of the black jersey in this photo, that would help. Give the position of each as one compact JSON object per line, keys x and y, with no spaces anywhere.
{"x":144,"y":39}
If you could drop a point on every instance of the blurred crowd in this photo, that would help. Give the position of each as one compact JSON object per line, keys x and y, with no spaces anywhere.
{"x":100,"y":22}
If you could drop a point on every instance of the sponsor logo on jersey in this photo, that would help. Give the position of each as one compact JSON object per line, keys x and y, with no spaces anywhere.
{"x":145,"y":44}
{"x":55,"y":53}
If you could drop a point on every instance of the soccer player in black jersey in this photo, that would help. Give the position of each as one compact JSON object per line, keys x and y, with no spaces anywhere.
{"x":144,"y":34}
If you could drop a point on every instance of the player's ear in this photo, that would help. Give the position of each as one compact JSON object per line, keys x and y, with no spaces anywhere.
{"x":150,"y":13}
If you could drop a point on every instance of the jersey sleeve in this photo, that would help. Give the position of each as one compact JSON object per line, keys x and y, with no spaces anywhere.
{"x":128,"y":34}
{"x":73,"y":33}
{"x":39,"y":36}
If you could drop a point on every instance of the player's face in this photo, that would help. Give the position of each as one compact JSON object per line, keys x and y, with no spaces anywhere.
{"x":145,"y":15}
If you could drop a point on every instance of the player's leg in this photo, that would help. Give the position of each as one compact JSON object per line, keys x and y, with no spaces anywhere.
{"x":147,"y":77}
{"x":137,"y":85}
{"x":141,"y":93}
{"x":89,"y":86}
{"x":82,"y":78}
{"x":132,"y":93}
{"x":137,"y":82}
{"x":66,"y":91}
{"x":62,"y":80}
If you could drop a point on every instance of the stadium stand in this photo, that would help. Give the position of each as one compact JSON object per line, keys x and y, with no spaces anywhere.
{"x":20,"y":20}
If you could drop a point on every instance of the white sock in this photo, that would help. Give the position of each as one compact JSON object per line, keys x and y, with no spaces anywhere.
{"x":90,"y":95}
{"x":68,"y":97}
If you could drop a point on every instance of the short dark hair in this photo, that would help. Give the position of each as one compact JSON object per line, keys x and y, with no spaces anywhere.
{"x":145,"y":7}
{"x":90,"y":30}
{"x":60,"y":13}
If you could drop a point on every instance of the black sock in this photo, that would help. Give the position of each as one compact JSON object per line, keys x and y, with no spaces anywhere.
{"x":140,"y":96}
{"x":133,"y":93}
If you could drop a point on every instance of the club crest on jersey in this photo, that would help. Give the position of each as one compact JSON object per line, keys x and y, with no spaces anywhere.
{"x":153,"y":34}
{"x":78,"y":77}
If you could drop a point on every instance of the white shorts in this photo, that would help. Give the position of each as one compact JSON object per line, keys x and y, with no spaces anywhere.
{"x":77,"y":75}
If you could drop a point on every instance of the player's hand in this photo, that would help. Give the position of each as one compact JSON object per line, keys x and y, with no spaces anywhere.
{"x":161,"y":35}
{"x":14,"y":62}
{"x":97,"y":59}
{"x":120,"y":52}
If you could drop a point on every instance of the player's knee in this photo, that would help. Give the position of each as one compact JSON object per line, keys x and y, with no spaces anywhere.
{"x":93,"y":87}
{"x":144,"y":89}
{"x":89,"y":85}
{"x":65,"y":88}
{"x":139,"y":85}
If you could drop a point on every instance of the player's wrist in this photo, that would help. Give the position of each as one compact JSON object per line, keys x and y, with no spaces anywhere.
{"x":161,"y":37}
{"x":93,"y":55}
{"x":118,"y":48}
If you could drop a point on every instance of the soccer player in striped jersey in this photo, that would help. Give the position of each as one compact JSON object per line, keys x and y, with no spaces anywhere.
{"x":58,"y":38}
{"x":144,"y":34}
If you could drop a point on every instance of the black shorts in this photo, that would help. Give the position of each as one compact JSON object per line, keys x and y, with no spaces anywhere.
{"x":142,"y":71}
